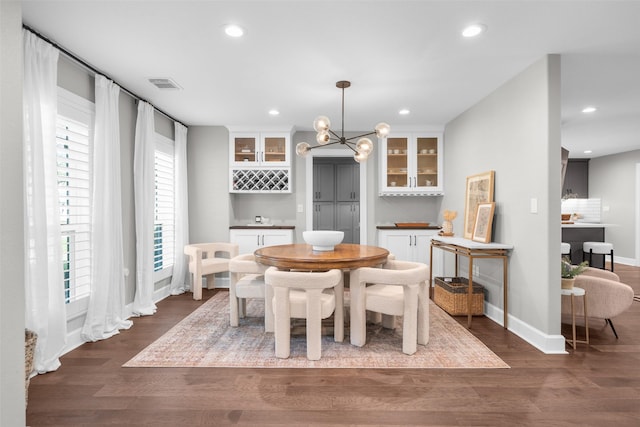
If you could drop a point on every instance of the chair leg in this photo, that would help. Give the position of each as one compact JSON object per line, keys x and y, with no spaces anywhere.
{"x":612,"y":328}
{"x":612,"y":260}
{"x":314,"y":324}
{"x":358,"y":325}
{"x":423,"y":314}
{"x":233,"y":311}
{"x":197,"y":286}
{"x":410,"y":320}
{"x":282,"y":314}
{"x":211,"y":284}
{"x":268,"y":309}
{"x":242,"y":307}
{"x":388,"y":321}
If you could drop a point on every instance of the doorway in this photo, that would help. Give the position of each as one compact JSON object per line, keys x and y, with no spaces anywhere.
{"x":336,"y":196}
{"x":309,"y":185}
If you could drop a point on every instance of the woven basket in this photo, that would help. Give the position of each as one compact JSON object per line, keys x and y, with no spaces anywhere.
{"x":30,"y":339}
{"x":451,"y":294}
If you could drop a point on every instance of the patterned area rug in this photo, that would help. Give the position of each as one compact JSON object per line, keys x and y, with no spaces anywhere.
{"x":205,"y":339}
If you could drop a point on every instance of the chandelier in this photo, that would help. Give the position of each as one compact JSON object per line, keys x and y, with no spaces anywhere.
{"x":326,"y":136}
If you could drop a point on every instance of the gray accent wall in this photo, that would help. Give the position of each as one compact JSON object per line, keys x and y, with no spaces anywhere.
{"x":613,"y":180}
{"x":515,"y":131}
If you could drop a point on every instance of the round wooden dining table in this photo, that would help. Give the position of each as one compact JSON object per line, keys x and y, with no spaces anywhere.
{"x":300,"y":256}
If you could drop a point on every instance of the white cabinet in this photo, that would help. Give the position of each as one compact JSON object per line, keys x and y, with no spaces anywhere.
{"x":258,"y":149}
{"x":411,"y":164}
{"x":259,"y":161}
{"x":250,"y":239}
{"x":409,"y":244}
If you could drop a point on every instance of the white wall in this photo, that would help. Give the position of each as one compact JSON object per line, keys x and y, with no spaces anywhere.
{"x":612,"y":179}
{"x":12,"y":403}
{"x":515,"y":131}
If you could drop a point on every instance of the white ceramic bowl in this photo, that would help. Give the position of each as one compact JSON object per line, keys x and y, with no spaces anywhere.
{"x":323,"y":240}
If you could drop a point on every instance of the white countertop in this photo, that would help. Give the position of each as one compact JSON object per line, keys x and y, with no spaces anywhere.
{"x":588,"y":225}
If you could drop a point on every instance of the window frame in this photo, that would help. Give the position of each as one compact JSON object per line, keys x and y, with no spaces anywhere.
{"x":167,"y":147}
{"x":75,"y":108}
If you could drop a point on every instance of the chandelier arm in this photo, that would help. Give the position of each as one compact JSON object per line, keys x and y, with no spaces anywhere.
{"x":311,"y":147}
{"x":360,"y":136}
{"x":350,"y":147}
{"x":333,"y":133}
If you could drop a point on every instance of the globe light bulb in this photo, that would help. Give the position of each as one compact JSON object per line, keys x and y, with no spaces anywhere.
{"x":321,"y":123}
{"x":360,"y":157}
{"x":302,"y":149}
{"x":364,"y":145}
{"x":382,"y":130}
{"x":323,"y":137}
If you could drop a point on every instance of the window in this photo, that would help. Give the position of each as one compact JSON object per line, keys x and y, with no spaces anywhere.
{"x":163,"y":231}
{"x":74,"y":139}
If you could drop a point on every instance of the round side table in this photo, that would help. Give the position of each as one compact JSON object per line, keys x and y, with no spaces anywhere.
{"x":577,"y":292}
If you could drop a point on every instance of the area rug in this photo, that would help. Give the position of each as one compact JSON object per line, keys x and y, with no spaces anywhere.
{"x":205,"y":339}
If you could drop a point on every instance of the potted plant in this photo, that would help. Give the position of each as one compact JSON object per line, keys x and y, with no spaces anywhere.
{"x":568,"y":272}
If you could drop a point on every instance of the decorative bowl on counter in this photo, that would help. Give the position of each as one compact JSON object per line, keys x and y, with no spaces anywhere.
{"x":323,"y":240}
{"x":566,"y":217}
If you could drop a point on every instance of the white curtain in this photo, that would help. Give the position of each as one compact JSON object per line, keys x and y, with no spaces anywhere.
{"x":44,"y":289}
{"x":180,"y":278}
{"x":144,"y":189}
{"x":105,"y":316}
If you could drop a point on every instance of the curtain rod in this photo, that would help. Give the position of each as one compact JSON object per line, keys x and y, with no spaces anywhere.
{"x":89,"y":67}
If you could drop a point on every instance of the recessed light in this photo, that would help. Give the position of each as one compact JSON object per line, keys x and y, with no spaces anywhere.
{"x":404,"y":112}
{"x":274,"y":112}
{"x":587,"y":151}
{"x":474,"y":30}
{"x":233,"y":30}
{"x":589,"y":109}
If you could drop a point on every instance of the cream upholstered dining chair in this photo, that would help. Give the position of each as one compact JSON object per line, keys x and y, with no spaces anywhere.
{"x":246,"y":281}
{"x":398,"y":289}
{"x":305,"y":295}
{"x":206,"y":259}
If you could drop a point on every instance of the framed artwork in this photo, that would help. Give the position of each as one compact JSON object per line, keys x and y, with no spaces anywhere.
{"x":479,"y":190}
{"x":483,"y":222}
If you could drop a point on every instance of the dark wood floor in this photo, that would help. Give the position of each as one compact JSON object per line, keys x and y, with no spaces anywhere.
{"x":596,"y":385}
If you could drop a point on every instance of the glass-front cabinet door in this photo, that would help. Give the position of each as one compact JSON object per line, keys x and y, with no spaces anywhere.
{"x":274,"y":150}
{"x":397,"y":155}
{"x":245,"y":149}
{"x":427,"y":162}
{"x":411,"y":164}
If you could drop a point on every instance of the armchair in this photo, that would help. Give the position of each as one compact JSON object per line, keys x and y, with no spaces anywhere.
{"x":607,"y":297}
{"x":247,"y":281}
{"x":205,"y":259}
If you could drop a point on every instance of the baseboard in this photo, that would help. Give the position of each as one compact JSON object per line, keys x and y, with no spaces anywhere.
{"x":625,"y":261}
{"x":548,"y":344}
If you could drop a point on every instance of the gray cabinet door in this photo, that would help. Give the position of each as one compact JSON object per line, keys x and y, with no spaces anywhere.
{"x":348,"y":220}
{"x":323,"y":182}
{"x":323,"y":216}
{"x":576,"y":180}
{"x":347,"y":183}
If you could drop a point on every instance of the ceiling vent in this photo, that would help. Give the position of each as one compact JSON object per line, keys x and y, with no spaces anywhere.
{"x":164,"y":84}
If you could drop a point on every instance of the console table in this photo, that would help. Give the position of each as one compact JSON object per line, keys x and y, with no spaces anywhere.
{"x":473,"y":250}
